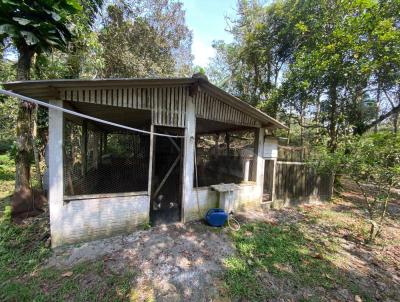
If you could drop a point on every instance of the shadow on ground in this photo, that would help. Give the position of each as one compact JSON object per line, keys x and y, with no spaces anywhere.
{"x":177,"y":262}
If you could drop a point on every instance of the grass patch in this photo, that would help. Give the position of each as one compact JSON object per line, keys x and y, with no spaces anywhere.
{"x":7,"y":179}
{"x":23,"y":277}
{"x":23,"y":252}
{"x":279,"y":252}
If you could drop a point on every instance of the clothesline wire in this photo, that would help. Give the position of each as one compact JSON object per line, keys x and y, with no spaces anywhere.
{"x":81,"y":115}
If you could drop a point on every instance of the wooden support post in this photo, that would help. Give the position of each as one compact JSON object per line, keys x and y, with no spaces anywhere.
{"x":56,"y":183}
{"x":188,"y":155}
{"x":246,"y":169}
{"x":260,"y":162}
{"x":151,"y":159}
{"x":273,"y":195}
{"x":84,"y":147}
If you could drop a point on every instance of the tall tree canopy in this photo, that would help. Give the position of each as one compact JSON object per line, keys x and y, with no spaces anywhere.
{"x":145,"y":38}
{"x":330,"y":67}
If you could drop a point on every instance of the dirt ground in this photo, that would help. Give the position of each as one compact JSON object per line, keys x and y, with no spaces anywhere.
{"x":185,"y":262}
{"x":177,"y":262}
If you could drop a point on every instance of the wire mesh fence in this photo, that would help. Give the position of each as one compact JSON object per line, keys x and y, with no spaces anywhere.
{"x":225,"y":157}
{"x":103,"y":160}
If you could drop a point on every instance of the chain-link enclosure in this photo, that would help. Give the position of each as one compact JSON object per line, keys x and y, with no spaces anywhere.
{"x":226,"y":157}
{"x":103,"y":160}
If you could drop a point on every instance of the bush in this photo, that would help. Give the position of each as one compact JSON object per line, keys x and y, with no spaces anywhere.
{"x":373,"y":162}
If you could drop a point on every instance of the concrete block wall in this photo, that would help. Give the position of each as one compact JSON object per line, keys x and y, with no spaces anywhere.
{"x":89,"y":219}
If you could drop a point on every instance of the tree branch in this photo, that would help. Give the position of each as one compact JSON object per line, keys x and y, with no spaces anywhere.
{"x":381,"y":118}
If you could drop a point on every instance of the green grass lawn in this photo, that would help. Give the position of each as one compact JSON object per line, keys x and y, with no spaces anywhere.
{"x":284,"y":255}
{"x":7,"y":179}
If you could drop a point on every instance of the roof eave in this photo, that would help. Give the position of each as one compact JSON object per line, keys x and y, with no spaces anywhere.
{"x":262,"y":117}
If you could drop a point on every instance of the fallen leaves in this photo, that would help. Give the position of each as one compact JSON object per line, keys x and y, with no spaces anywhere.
{"x":67,"y":274}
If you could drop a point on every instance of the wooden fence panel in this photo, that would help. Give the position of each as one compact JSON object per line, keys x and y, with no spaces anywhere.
{"x":299,"y":182}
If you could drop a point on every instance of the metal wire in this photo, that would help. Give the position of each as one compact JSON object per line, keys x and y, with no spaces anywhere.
{"x":98,"y":161}
{"x":220,"y":157}
{"x":51,"y":106}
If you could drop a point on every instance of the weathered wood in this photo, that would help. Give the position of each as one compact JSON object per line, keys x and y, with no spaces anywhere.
{"x":168,"y":104}
{"x":151,"y":159}
{"x":56,"y":182}
{"x":296,"y":181}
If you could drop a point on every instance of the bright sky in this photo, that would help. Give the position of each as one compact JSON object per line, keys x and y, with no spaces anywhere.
{"x":206,"y":18}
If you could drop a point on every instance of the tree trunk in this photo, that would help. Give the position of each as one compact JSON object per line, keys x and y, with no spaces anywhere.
{"x":378,"y":105}
{"x":333,"y":118}
{"x":23,"y":126}
{"x":36,"y":154}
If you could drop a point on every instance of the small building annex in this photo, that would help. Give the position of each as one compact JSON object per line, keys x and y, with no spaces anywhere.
{"x":105,"y":180}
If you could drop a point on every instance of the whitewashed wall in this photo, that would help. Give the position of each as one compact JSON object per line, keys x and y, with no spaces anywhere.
{"x":89,"y":219}
{"x":247,"y":196}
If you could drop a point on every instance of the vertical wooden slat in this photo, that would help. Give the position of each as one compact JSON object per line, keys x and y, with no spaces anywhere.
{"x":168,"y":107}
{"x":156,"y":105}
{"x":182,"y":104}
{"x":139,"y":95}
{"x":172,"y":106}
{"x":134,"y":98}
{"x":131,"y":95}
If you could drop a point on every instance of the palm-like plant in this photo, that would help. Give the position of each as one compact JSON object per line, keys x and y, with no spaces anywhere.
{"x":34,"y":27}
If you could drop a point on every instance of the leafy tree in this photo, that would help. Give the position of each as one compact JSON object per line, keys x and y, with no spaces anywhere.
{"x":145,"y":38}
{"x":330,"y":67}
{"x":35,"y":27}
{"x":373,"y":162}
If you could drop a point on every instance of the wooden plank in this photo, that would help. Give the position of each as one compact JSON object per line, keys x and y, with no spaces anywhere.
{"x":125,"y":97}
{"x":183,"y":106}
{"x":158,"y":106}
{"x":179,"y":100}
{"x":151,"y":159}
{"x":168,"y":108}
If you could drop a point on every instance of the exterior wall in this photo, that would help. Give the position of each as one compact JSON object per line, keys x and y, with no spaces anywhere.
{"x":88,"y":219}
{"x":78,"y":220}
{"x":247,"y":196}
{"x":207,"y":199}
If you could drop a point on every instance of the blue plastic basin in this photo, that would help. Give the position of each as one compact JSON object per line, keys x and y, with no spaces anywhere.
{"x":216,"y":217}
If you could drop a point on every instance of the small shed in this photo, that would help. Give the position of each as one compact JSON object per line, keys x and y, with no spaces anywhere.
{"x":105,"y":180}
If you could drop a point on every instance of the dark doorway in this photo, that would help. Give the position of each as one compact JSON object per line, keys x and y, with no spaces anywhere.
{"x":166,"y":189}
{"x":268,"y":180}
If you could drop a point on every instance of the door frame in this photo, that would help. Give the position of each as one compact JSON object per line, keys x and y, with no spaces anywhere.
{"x":153,"y":142}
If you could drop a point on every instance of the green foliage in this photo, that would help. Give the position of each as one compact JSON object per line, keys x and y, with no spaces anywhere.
{"x":280,"y":251}
{"x":373,"y":162}
{"x":374,"y":159}
{"x":145,"y":38}
{"x":331,"y":67}
{"x":41,"y":25}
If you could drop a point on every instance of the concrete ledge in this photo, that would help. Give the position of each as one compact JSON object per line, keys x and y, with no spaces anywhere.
{"x":106,"y":195}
